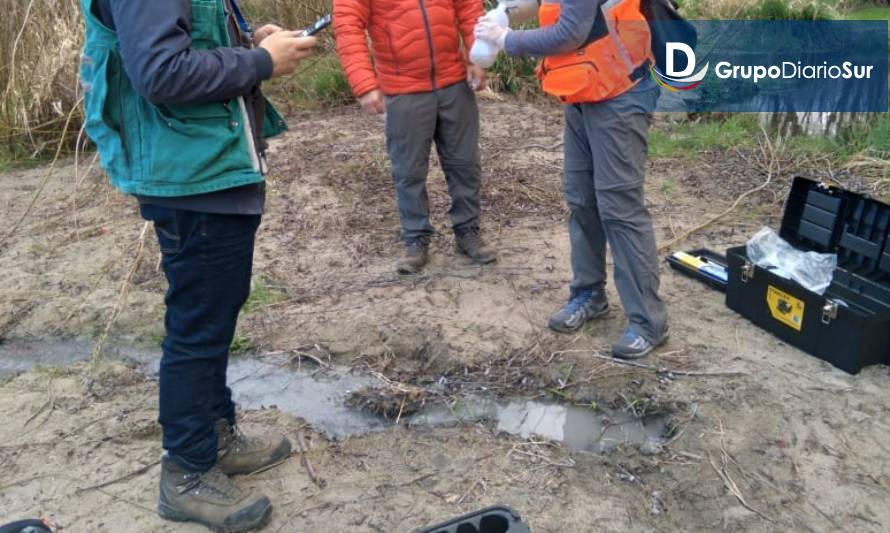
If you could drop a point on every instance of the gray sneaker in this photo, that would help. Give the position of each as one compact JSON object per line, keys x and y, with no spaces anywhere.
{"x":632,"y":345}
{"x":240,"y":454}
{"x":583,"y":306}
{"x":209,"y":498}
{"x":414,"y":258}
{"x":470,"y":244}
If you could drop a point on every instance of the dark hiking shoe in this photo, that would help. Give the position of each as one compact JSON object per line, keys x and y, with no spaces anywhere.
{"x":632,"y":345}
{"x":240,"y":454}
{"x":470,"y":244}
{"x":209,"y":498}
{"x":415,"y":257}
{"x":583,"y":306}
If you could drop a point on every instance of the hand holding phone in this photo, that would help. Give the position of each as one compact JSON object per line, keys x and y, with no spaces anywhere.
{"x":319,"y":25}
{"x":287,"y":49}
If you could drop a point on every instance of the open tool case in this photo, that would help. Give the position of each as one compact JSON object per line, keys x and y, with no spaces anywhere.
{"x":849,"y":326}
{"x":497,"y":519}
{"x":701,"y":264}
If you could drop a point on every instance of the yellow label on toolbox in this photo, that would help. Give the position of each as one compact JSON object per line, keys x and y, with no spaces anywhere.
{"x":785,"y":308}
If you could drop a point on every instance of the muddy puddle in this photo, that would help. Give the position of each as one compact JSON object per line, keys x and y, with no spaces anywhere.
{"x":319,"y":397}
{"x":578,"y":428}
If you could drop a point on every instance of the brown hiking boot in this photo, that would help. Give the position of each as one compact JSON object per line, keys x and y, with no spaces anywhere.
{"x":470,"y":244}
{"x":240,"y":454}
{"x":209,"y":498}
{"x":415,"y":257}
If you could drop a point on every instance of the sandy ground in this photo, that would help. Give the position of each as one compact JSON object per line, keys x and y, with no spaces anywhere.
{"x":767,"y":439}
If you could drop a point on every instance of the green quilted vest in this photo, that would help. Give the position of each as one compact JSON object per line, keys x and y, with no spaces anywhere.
{"x":167,"y":150}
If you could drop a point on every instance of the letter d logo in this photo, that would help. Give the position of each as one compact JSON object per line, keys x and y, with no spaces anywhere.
{"x":672,"y":48}
{"x":673,"y":76}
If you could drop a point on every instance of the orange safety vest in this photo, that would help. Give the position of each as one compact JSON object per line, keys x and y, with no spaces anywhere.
{"x":605,"y":67}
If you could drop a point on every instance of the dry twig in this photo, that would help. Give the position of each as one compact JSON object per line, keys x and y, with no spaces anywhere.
{"x":126,"y":477}
{"x":770,"y":150}
{"x":96,"y":356}
{"x":653,"y":368}
{"x":49,"y":174}
{"x":304,"y":452}
{"x":734,"y":489}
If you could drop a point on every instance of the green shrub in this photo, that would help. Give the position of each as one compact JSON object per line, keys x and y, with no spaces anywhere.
{"x":688,"y":139}
{"x":762,"y":9}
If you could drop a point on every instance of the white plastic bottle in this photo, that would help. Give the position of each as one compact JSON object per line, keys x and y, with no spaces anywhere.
{"x":483,"y":52}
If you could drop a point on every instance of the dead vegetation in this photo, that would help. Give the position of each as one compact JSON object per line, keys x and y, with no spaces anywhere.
{"x":444,"y":338}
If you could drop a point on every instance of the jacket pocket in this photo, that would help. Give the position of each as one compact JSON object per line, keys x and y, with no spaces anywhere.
{"x":208,"y":25}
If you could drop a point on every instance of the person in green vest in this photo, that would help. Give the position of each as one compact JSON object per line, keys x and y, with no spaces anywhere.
{"x":173,"y":103}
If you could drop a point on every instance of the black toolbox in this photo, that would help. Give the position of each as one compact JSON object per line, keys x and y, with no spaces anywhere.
{"x":850,"y":325}
{"x":498,"y":519}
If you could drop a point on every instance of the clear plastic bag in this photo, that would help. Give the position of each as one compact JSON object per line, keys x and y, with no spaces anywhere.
{"x":811,"y":269}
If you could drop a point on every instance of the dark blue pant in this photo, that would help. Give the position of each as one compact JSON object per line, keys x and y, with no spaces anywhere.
{"x":208,"y":260}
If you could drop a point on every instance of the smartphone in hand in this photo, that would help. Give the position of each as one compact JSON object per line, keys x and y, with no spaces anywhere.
{"x":319,"y":25}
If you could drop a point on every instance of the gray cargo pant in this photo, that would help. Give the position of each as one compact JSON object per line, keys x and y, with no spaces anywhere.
{"x":606,"y":146}
{"x":450,"y":117}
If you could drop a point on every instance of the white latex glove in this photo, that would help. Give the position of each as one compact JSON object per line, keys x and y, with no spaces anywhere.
{"x":490,"y":31}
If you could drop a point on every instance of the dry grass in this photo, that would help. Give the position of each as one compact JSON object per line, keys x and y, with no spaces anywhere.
{"x":40,"y":43}
{"x":286,"y":13}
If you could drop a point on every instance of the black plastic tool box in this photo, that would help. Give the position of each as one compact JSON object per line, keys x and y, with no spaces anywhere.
{"x":849,"y":326}
{"x":497,"y":519}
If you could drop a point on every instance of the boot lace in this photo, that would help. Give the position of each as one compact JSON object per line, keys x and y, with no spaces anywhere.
{"x":577,"y":301}
{"x":213,"y":483}
{"x":240,"y":442}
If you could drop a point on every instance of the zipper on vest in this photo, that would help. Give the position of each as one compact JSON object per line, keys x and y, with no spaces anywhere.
{"x":429,"y":42}
{"x":242,"y":106}
{"x":125,"y":140}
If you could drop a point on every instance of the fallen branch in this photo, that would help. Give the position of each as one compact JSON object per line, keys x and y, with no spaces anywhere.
{"x":129,"y":502}
{"x":51,"y":403}
{"x":304,"y":452}
{"x":682,"y":430}
{"x":770,"y":172}
{"x":535,"y":146}
{"x":297,"y":354}
{"x":126,"y":477}
{"x":734,"y":489}
{"x":653,"y":368}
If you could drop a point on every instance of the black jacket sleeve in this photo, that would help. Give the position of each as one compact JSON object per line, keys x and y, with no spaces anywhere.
{"x":155,"y":46}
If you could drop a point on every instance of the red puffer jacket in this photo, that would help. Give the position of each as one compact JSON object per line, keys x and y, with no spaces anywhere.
{"x":415,"y":43}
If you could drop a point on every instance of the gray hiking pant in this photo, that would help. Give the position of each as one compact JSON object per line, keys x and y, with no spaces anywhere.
{"x":606,"y":146}
{"x":450,"y":117}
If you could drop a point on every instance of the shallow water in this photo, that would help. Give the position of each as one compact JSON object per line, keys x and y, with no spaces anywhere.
{"x":579,"y":428}
{"x":319,"y":397}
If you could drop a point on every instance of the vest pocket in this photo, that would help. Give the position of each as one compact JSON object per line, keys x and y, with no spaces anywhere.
{"x":568,"y":81}
{"x":191,"y":146}
{"x":213,"y":110}
{"x":208,"y":25}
